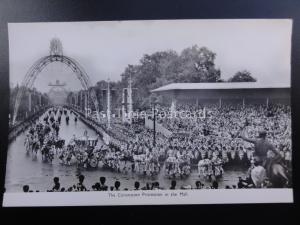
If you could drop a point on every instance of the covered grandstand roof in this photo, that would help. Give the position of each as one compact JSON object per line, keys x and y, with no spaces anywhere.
{"x":218,"y":85}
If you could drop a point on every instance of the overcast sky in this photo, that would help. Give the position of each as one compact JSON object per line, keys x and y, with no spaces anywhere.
{"x":104,"y":49}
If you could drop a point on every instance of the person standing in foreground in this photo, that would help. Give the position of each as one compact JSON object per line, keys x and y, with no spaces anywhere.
{"x":273,"y":165}
{"x":261,"y":147}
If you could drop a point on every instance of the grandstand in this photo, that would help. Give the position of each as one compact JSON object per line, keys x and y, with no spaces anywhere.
{"x":242,"y":92}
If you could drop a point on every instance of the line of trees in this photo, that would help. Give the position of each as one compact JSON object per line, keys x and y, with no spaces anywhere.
{"x":38,"y":100}
{"x":194,"y":64}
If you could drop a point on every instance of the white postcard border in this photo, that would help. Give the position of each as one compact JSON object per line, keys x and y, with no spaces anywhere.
{"x":149,"y":197}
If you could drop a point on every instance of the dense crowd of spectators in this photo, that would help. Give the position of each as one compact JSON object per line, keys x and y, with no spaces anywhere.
{"x":219,"y":130}
{"x":21,"y":126}
{"x":212,"y":134}
{"x":209,"y":141}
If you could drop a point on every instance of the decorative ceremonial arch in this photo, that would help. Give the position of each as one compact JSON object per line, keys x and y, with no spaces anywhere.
{"x":55,"y":56}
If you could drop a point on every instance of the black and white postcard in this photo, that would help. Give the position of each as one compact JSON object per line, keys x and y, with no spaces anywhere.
{"x":149,"y":112}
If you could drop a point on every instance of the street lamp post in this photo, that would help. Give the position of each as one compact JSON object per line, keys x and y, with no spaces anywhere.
{"x":154,"y":102}
{"x":108,"y":105}
{"x":154,"y":125}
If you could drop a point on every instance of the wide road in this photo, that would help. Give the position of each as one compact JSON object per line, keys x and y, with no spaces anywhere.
{"x":23,"y":169}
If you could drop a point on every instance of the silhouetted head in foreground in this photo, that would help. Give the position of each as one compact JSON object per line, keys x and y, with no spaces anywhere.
{"x":102,"y":180}
{"x":117,"y":185}
{"x":26,"y":188}
{"x":81,"y":179}
{"x":56,"y":184}
{"x":173,"y":184}
{"x":136,"y":185}
{"x":198,"y":184}
{"x":56,"y":180}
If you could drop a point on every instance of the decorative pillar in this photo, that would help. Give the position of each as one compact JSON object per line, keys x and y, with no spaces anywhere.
{"x":123,"y":105}
{"x":108,"y":105}
{"x":220,"y":102}
{"x":76,"y":100}
{"x":72,"y":100}
{"x":154,"y":125}
{"x":88,"y":104}
{"x":85,"y":103}
{"x":173,"y":105}
{"x":243,"y":102}
{"x":130,"y":107}
{"x":267,"y":102}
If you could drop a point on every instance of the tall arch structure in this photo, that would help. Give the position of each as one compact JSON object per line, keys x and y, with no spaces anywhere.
{"x":55,"y":56}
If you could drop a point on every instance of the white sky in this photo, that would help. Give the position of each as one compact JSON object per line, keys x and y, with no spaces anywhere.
{"x":104,"y":49}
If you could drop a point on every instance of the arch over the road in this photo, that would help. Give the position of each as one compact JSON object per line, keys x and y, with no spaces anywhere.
{"x":39,"y":65}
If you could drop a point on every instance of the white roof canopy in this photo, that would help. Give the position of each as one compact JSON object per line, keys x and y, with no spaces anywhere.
{"x":219,"y":85}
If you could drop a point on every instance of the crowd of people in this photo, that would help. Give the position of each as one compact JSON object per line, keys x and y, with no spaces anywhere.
{"x":20,"y":127}
{"x":219,"y":131}
{"x":209,"y":143}
{"x":43,"y":135}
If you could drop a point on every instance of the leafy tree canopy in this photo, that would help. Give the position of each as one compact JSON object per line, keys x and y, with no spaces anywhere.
{"x":194,"y":64}
{"x":242,"y":76}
